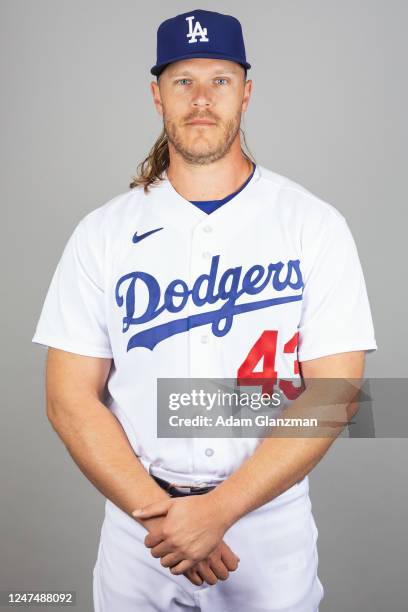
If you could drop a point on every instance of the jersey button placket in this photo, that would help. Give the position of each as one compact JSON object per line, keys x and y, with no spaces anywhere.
{"x":200,"y":337}
{"x":202,"y":251}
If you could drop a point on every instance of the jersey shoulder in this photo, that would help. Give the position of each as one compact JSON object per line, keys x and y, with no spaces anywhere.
{"x":116,"y":209}
{"x":292,"y":197}
{"x":108,"y":219}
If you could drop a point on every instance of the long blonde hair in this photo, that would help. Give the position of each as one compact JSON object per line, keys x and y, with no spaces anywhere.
{"x":150,"y":171}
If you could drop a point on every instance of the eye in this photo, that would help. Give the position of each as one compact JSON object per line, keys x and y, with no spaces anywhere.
{"x":222,"y":79}
{"x":182,"y":81}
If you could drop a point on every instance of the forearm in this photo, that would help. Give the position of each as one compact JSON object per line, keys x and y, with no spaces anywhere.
{"x":280,"y":462}
{"x":276,"y":465}
{"x":99,"y":446}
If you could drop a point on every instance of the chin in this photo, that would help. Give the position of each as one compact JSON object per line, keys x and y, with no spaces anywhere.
{"x":204,"y":147}
{"x":203,"y":157}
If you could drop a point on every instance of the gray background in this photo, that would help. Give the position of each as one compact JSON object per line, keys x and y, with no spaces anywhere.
{"x":329,"y":111}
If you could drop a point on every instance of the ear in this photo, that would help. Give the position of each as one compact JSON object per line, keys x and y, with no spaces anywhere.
{"x":247,"y":95}
{"x":155,"y":89}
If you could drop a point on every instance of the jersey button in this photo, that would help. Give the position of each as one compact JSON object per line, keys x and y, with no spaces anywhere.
{"x":209,"y":452}
{"x":206,"y":255}
{"x":204,"y":339}
{"x":207,"y":229}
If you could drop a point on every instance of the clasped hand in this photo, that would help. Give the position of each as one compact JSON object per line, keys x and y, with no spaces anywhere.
{"x":192,"y":528}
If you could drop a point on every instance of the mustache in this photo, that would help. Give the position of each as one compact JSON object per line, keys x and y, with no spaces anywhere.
{"x":207,"y":115}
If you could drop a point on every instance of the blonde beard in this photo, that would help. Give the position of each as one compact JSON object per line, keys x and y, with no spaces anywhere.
{"x":231,"y":129}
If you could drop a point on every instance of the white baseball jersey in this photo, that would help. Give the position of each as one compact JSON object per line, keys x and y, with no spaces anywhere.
{"x":269,"y":279}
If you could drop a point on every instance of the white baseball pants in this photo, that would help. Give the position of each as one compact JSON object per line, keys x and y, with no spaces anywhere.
{"x":277,"y":572}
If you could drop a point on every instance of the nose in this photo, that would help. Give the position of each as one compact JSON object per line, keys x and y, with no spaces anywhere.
{"x":201,"y":97}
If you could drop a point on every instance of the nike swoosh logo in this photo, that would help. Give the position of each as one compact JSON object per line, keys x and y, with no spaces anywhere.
{"x":138,"y":237}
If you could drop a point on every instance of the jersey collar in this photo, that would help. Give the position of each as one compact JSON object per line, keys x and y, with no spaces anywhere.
{"x":179,"y":211}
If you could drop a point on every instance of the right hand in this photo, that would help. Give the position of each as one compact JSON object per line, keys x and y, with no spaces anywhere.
{"x":218,"y":564}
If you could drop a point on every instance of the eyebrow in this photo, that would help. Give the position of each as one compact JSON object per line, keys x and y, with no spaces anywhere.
{"x":188,"y":73}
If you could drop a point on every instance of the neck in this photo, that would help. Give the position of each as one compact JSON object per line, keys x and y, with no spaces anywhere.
{"x":213,"y":181}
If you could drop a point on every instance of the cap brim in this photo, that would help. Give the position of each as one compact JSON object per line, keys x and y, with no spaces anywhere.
{"x":158,"y":68}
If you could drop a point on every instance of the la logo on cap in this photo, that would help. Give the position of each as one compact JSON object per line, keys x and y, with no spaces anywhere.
{"x":197,"y":31}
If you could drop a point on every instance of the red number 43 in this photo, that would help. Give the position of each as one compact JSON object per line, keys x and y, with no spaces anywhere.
{"x":265,"y":347}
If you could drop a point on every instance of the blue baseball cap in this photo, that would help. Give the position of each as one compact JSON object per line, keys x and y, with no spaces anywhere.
{"x":199,"y":33}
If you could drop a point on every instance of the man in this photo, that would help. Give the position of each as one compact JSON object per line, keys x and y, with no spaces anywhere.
{"x":209,"y":266}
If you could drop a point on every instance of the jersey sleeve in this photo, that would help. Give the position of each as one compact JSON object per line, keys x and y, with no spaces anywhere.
{"x":73,"y":314}
{"x":336,"y":315}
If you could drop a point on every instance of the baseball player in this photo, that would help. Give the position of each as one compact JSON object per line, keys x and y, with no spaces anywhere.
{"x":209,"y":266}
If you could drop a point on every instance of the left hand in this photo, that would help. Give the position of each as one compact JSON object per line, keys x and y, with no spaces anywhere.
{"x":193,"y":527}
